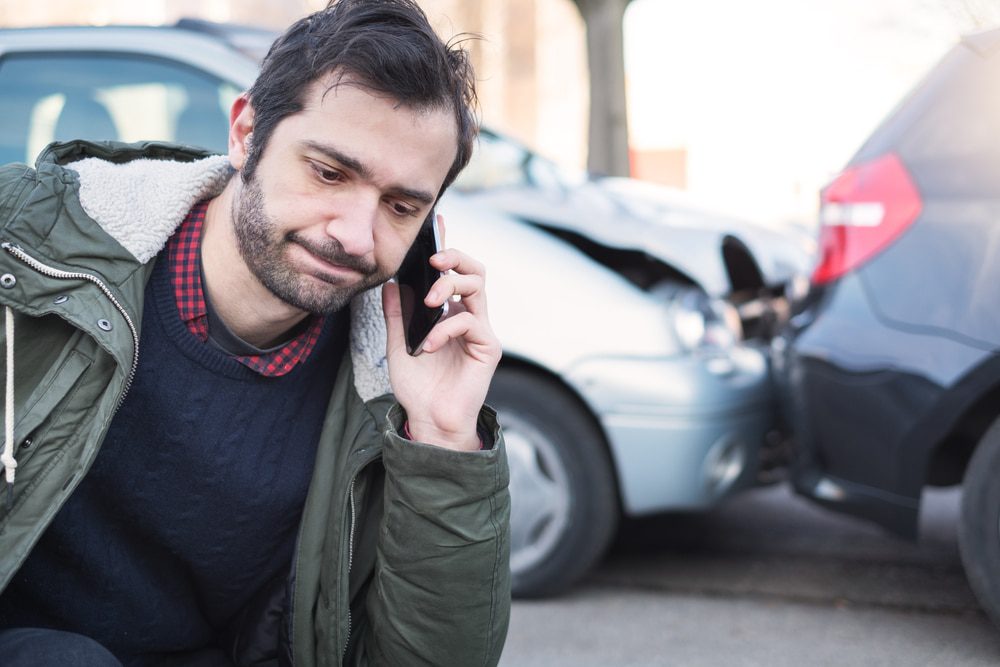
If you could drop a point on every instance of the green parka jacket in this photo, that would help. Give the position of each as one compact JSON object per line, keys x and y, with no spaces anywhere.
{"x":403,"y":548}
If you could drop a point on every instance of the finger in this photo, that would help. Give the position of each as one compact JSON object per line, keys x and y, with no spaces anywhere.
{"x":457,"y":261}
{"x":469,"y":288}
{"x":393,"y":312}
{"x":463,"y":266}
{"x":472,"y":332}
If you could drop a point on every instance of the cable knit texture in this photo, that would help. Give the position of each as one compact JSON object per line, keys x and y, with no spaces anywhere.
{"x":140,"y":204}
{"x":192,"y":505}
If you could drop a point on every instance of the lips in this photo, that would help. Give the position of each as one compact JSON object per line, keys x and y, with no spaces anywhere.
{"x":333,"y":258}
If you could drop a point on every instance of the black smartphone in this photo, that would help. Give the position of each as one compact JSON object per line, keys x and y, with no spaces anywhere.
{"x":415,"y":278}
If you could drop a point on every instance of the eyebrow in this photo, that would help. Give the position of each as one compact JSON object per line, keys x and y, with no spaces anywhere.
{"x":364,"y":172}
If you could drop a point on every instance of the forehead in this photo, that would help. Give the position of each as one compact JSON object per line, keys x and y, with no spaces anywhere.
{"x":336,"y":90}
{"x":393,"y":139}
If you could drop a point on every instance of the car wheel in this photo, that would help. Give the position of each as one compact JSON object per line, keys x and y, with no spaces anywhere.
{"x":979,"y":529}
{"x":564,"y":507}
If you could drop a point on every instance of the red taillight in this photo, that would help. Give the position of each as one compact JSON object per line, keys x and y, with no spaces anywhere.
{"x":864,"y":210}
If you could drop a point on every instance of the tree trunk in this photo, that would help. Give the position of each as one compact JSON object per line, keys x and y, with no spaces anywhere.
{"x":608,"y":135}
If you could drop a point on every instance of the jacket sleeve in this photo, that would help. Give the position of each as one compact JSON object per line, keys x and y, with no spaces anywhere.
{"x":441,"y":590}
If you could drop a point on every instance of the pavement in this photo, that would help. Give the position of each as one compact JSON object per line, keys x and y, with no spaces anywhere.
{"x":765,"y":579}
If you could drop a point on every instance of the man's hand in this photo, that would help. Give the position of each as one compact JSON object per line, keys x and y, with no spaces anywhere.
{"x":443,"y":388}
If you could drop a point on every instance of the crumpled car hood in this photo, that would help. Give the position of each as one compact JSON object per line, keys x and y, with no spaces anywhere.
{"x":627,"y":214}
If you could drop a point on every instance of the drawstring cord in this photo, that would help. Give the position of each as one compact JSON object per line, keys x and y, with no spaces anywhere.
{"x":7,"y":458}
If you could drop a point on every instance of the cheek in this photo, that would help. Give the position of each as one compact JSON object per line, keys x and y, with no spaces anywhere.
{"x":288,"y":195}
{"x":291,"y":212}
{"x":390,"y":248}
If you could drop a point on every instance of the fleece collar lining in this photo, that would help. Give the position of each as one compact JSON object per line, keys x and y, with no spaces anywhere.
{"x":140,"y":204}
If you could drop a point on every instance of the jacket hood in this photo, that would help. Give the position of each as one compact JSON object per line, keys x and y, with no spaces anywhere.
{"x":139,"y":200}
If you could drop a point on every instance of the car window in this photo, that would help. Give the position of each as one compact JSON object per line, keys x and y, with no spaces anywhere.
{"x":57,"y":97}
{"x":495,"y":163}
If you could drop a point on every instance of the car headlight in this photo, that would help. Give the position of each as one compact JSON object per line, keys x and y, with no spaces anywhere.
{"x":704,"y":323}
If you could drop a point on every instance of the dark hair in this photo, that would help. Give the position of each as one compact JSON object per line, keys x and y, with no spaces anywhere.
{"x":388,"y":46}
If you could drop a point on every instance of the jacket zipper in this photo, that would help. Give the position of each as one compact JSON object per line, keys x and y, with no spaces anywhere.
{"x":350,"y":560}
{"x":370,"y":456}
{"x":51,"y":272}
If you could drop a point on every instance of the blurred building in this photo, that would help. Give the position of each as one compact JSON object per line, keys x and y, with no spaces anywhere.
{"x":531,"y":62}
{"x":533,"y":68}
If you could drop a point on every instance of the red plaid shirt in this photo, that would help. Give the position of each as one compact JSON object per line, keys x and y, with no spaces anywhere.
{"x":185,"y":273}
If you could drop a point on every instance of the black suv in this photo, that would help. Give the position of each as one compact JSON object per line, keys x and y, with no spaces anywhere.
{"x":890,"y":370}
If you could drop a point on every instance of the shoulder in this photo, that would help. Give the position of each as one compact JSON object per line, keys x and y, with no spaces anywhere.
{"x":14,"y":178}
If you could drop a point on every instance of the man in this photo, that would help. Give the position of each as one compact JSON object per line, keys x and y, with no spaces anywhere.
{"x":205,"y":464}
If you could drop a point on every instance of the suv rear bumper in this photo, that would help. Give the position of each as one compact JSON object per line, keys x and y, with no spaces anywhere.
{"x":855,"y":417}
{"x":894,"y":512}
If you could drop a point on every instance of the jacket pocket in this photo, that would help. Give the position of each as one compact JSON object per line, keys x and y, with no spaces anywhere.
{"x":41,"y":409}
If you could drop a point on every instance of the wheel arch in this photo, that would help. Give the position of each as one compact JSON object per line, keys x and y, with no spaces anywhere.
{"x":948,"y":460}
{"x":958,"y":423}
{"x":514,"y":362}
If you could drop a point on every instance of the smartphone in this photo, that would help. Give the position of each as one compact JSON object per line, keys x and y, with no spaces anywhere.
{"x":415,"y":278}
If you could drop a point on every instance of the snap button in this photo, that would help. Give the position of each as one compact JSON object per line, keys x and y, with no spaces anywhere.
{"x":104,"y":325}
{"x":27,"y":443}
{"x":60,"y":299}
{"x":7,"y":280}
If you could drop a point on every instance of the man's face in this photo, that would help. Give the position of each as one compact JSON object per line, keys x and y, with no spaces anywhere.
{"x":339,"y":194}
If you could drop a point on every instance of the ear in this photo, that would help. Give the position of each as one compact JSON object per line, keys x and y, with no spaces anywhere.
{"x":240,"y":126}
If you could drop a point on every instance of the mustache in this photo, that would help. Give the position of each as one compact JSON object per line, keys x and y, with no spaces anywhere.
{"x":333,"y":252}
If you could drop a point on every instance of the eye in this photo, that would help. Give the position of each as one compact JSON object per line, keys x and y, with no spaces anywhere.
{"x":402,"y":209}
{"x":326,"y":174}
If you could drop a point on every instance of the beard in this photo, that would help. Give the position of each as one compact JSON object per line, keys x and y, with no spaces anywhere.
{"x":264,"y":249}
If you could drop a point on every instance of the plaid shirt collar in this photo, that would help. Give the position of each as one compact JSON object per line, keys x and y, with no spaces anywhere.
{"x":185,"y":273}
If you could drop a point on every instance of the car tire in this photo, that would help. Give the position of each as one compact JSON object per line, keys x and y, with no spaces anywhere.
{"x":564,"y":504}
{"x":979,"y":528}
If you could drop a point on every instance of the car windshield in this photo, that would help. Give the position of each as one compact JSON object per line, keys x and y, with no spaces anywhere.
{"x":57,"y":97}
{"x":498,"y":162}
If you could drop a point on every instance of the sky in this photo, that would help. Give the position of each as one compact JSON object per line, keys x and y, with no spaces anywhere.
{"x":772,"y":97}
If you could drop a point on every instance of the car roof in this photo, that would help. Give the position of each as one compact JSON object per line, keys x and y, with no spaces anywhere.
{"x":252,"y":40}
{"x":197,"y":47}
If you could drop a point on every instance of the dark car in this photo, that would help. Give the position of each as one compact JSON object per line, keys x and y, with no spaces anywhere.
{"x":889,"y":370}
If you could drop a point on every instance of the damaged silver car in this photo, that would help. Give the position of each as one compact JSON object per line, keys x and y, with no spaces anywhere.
{"x":634,"y":322}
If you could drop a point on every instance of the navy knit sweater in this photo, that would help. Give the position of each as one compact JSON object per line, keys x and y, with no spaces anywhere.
{"x":193,"y":503}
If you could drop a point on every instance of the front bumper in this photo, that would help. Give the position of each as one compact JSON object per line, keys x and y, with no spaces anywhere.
{"x":684,"y":432}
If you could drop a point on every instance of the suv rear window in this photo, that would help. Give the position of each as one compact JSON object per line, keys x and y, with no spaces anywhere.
{"x":953,"y":145}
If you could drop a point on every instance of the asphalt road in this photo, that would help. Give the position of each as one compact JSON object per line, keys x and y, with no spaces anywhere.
{"x":766,"y":579}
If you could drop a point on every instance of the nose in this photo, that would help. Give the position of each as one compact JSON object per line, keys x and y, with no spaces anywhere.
{"x":354,"y":226}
